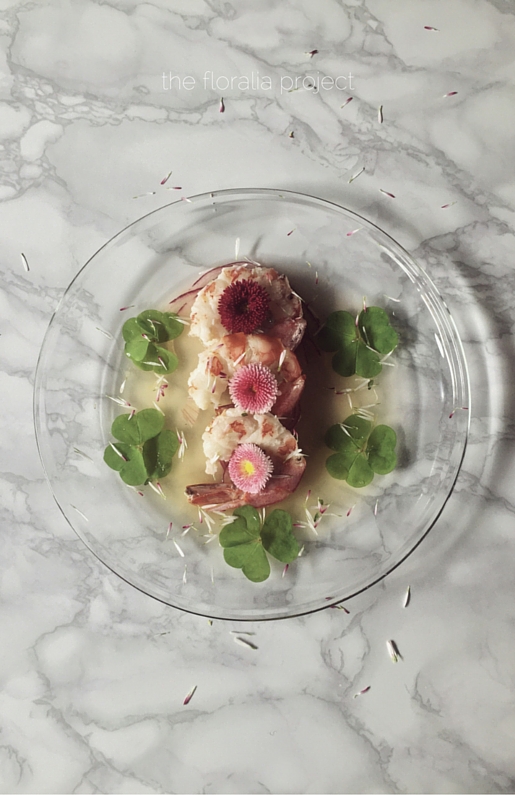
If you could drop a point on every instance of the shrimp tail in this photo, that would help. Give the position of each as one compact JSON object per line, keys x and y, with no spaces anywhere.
{"x":226,"y":497}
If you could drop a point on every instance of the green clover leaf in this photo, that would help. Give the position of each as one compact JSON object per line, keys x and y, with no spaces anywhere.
{"x":375,"y":327}
{"x":355,"y":429}
{"x":136,"y":348}
{"x":277,"y":536}
{"x":143,"y":336}
{"x":157,"y":326}
{"x":131,"y":329}
{"x":132,"y":470}
{"x":360,"y":451}
{"x":166,"y":325}
{"x":339,"y":327}
{"x":360,"y":473}
{"x":356,"y":359}
{"x":251,"y":559}
{"x":158,"y":453}
{"x":145,"y":450}
{"x":357,"y":347}
{"x":381,"y":449}
{"x":244,"y":541}
{"x":153,"y":357}
{"x":242,"y":545}
{"x":142,"y":426}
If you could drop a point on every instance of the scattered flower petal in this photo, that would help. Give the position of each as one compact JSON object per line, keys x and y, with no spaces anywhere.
{"x":450,"y":94}
{"x":25,"y":262}
{"x":157,"y":488}
{"x":221,"y":107}
{"x":393,"y":651}
{"x":445,"y":206}
{"x":458,"y":408}
{"x":104,"y":332}
{"x":162,"y":386}
{"x":149,"y":193}
{"x":380,"y":114}
{"x":244,"y":642}
{"x":355,"y":176}
{"x":407,"y":597}
{"x":79,"y":452}
{"x":291,"y":134}
{"x":118,"y":453}
{"x":291,"y":231}
{"x":177,"y":547}
{"x":80,"y":513}
{"x":429,"y":27}
{"x":191,"y":693}
{"x":349,"y":99}
{"x":183,"y":444}
{"x":387,"y":194}
{"x":340,"y":607}
{"x":123,"y":308}
{"x":362,"y":692}
{"x":165,"y":179}
{"x":282,"y":357}
{"x":120,"y":401}
{"x":311,"y":53}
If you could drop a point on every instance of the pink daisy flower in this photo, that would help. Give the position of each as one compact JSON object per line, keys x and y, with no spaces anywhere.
{"x":250,"y":468}
{"x":253,"y":388}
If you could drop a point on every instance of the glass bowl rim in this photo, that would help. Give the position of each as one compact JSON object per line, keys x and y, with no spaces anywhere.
{"x":247,"y":192}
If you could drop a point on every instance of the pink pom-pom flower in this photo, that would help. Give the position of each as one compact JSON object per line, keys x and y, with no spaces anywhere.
{"x":250,"y":468}
{"x":253,"y":388}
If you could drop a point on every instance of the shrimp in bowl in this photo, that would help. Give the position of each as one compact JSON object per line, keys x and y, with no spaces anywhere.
{"x":216,"y":366}
{"x":248,"y":298}
{"x":233,"y":430}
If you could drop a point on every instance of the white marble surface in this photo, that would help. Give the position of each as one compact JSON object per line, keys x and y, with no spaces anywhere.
{"x":93,"y":673}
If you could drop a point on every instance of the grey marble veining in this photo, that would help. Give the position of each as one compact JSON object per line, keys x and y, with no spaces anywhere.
{"x":94,"y":673}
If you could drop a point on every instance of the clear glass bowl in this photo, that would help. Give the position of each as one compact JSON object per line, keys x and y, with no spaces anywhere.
{"x":423,"y":397}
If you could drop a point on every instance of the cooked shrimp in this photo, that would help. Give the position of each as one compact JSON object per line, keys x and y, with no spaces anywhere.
{"x":208,"y":382}
{"x":285,"y":321}
{"x":226,"y":432}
